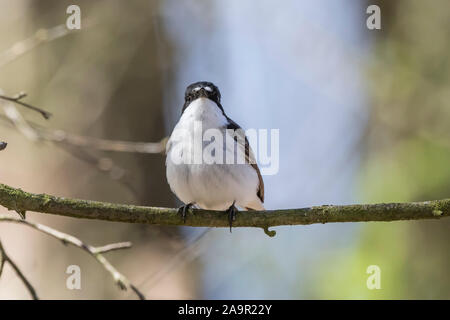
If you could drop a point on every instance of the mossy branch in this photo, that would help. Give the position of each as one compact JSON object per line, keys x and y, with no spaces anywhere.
{"x":21,"y":201}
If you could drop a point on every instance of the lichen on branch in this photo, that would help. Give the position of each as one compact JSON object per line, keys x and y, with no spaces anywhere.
{"x":21,"y":201}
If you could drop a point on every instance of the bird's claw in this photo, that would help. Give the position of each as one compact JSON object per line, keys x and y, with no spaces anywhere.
{"x":183,"y":210}
{"x":231,"y":214}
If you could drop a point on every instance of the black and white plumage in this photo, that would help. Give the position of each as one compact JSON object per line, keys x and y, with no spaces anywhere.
{"x":216,"y":186}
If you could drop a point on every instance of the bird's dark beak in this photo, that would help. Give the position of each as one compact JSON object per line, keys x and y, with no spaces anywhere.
{"x":203,"y":93}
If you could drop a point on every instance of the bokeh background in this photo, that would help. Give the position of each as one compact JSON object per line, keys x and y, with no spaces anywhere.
{"x":364,"y":117}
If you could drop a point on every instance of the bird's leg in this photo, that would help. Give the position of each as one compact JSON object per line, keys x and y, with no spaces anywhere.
{"x":183,"y":209}
{"x":231,"y":214}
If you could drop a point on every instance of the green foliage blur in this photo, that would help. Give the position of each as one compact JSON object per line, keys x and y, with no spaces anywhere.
{"x":407,"y":158}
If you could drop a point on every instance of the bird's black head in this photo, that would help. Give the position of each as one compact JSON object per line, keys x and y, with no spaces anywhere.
{"x":202,"y":89}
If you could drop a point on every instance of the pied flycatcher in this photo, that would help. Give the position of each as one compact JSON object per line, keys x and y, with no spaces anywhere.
{"x":219,"y":185}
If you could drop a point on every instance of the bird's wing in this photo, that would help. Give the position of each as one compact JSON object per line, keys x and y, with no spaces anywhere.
{"x":249,"y":156}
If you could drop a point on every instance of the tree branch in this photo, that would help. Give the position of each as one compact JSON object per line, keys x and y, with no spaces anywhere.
{"x":79,"y":141}
{"x":17,"y":99}
{"x":34,"y":132}
{"x":40,"y":37}
{"x":21,"y":201}
{"x":95,"y":252}
{"x":5,"y":258}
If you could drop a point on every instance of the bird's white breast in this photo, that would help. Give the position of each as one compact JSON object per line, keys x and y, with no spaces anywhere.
{"x":204,"y":110}
{"x":211,"y":186}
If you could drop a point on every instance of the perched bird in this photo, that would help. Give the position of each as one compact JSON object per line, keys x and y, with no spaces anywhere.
{"x":219,"y":185}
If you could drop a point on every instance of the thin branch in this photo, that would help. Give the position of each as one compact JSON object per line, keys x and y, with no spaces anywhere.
{"x":47,"y":35}
{"x":16,"y":199}
{"x":18,"y":121}
{"x":96,"y":253}
{"x":112,"y":247}
{"x":40,"y":37}
{"x":62,"y":137}
{"x":20,"y":48}
{"x":17,"y":100}
{"x":35,"y":132}
{"x":4,"y":258}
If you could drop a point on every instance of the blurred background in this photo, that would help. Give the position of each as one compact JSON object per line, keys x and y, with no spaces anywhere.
{"x":364,"y":117}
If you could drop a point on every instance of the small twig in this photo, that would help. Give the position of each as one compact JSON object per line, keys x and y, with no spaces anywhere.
{"x":20,"y":95}
{"x":2,"y":145}
{"x":113,"y":247}
{"x":60,"y":136}
{"x":95,"y":252}
{"x":19,"y":122}
{"x":24,"y":46}
{"x":5,"y":258}
{"x":63,"y":137}
{"x":34,"y":132}
{"x":40,"y":37}
{"x":2,"y":259}
{"x":16,"y":99}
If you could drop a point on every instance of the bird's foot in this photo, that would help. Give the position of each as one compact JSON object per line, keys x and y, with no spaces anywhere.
{"x":232,"y":214}
{"x":183,"y":210}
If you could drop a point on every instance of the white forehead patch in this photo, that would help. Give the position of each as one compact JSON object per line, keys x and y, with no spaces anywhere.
{"x":206,"y":88}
